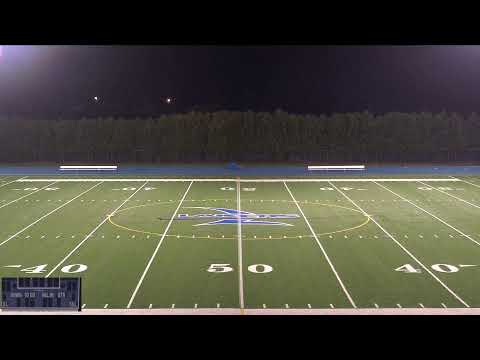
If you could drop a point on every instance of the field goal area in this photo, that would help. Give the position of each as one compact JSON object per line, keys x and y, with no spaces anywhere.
{"x":246,"y":245}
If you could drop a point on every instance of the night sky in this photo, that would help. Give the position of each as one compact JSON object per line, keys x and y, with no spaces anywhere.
{"x":300,"y":79}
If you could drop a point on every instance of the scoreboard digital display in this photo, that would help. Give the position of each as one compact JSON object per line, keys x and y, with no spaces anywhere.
{"x":41,"y":293}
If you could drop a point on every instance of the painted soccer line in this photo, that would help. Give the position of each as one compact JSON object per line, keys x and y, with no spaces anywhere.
{"x":322,"y":249}
{"x":240,"y":251}
{"x":234,"y":180}
{"x":453,"y":196}
{"x":92,"y":232}
{"x":132,"y":298}
{"x":11,"y":182}
{"x":51,"y":212}
{"x":24,"y":196}
{"x":404,"y":249}
{"x":432,"y":215}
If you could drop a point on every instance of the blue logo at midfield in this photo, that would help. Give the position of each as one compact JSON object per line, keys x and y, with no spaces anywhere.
{"x":232,"y":216}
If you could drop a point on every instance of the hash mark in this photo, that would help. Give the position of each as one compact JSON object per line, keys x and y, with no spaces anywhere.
{"x":421,"y":305}
{"x":331,"y":305}
{"x":309,"y":306}
{"x":443,"y":305}
{"x":106,"y":306}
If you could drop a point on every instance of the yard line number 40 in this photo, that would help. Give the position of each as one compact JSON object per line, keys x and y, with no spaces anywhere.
{"x":444,"y":268}
{"x":68,"y":269}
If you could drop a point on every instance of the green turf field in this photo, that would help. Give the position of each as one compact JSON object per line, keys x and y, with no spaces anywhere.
{"x":344,"y":243}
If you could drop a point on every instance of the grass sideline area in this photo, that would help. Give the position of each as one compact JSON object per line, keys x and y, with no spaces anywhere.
{"x":325,"y":243}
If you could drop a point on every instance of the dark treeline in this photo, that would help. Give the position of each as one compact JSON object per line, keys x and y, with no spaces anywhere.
{"x":245,"y":136}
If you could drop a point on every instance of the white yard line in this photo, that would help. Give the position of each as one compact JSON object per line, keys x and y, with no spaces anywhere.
{"x":234,"y":180}
{"x":93,"y":231}
{"x":403,"y":248}
{"x":158,"y":247}
{"x":429,"y":213}
{"x":321,"y":248}
{"x":11,"y":182}
{"x":48,"y":214}
{"x":453,"y":196}
{"x":468,"y":182}
{"x":240,"y":252}
{"x":24,"y":196}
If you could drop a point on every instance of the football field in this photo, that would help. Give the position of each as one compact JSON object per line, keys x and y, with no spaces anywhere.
{"x":242,"y":243}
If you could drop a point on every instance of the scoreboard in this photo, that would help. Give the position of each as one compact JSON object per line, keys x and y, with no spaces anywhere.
{"x":35,"y":293}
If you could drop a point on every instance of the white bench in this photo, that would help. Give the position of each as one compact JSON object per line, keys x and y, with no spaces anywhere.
{"x":87,"y":167}
{"x":337,"y":167}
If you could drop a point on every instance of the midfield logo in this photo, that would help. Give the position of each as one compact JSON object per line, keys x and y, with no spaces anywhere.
{"x":232,"y":216}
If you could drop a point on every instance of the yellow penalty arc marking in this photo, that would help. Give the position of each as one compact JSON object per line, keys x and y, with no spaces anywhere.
{"x":367,"y":220}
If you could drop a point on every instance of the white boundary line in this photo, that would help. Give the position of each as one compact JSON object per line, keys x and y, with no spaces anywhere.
{"x":11,"y":182}
{"x":157,"y":248}
{"x":33,"y":192}
{"x":453,"y":196}
{"x":403,"y":248}
{"x":234,"y":180}
{"x":240,"y":251}
{"x":92,"y":232}
{"x":429,"y":213}
{"x":51,"y":212}
{"x":270,"y":311}
{"x":321,"y":248}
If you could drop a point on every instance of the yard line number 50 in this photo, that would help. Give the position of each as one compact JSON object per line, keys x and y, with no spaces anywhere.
{"x":256,"y":268}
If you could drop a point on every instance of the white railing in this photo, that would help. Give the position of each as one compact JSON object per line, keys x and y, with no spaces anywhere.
{"x":88,"y":167}
{"x":337,"y":167}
